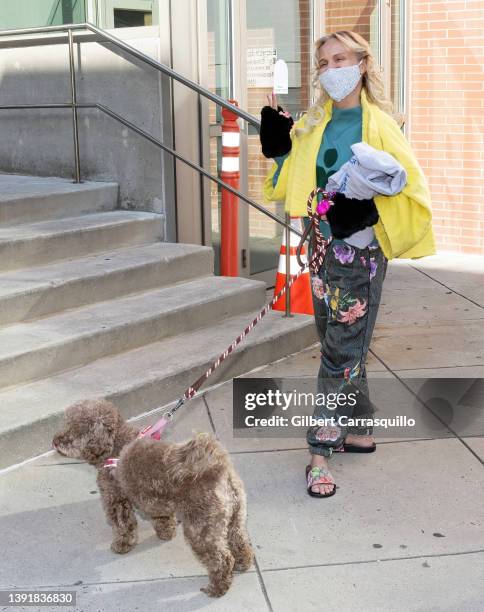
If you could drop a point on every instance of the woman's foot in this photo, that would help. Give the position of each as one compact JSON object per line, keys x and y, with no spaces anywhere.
{"x":326,"y":486}
{"x":364,"y":441}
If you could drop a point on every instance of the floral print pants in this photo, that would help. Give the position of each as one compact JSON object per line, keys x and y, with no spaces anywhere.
{"x":346,"y":297}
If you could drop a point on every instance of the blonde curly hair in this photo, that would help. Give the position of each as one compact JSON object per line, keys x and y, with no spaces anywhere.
{"x":372,"y":81}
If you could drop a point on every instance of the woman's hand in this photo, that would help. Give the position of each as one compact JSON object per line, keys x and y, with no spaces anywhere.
{"x":272,"y":100}
{"x":275,"y":128}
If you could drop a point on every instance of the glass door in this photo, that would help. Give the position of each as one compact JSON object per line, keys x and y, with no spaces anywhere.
{"x":273,"y":30}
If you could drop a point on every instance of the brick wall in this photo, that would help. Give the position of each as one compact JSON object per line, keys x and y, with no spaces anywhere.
{"x":447,"y":116}
{"x":350,"y":15}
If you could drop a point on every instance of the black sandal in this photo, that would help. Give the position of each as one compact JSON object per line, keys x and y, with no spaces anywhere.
{"x":354,"y":448}
{"x":316,"y":473}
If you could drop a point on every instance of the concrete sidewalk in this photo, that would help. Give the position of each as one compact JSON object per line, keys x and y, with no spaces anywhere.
{"x":404,"y":531}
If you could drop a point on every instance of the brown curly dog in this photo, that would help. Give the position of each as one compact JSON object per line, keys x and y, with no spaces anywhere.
{"x":194,"y":479}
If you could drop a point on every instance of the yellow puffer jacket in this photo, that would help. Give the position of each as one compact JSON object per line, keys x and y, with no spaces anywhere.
{"x":404,"y":228}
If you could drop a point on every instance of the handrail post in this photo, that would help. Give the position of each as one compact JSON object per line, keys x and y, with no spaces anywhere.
{"x":75,"y":128}
{"x":288,"y":266}
{"x":230,"y":174}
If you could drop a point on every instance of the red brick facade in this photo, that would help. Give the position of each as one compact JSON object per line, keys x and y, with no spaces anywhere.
{"x":446,"y":109}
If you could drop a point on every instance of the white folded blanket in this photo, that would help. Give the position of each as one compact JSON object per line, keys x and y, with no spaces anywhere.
{"x":369,"y":172}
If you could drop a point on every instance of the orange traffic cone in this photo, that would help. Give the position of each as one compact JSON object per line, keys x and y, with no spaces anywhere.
{"x":301,"y":298}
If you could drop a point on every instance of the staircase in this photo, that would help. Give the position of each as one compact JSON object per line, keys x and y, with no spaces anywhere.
{"x":94,"y":304}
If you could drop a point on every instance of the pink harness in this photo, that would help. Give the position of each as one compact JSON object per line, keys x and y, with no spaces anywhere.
{"x":153,"y":431}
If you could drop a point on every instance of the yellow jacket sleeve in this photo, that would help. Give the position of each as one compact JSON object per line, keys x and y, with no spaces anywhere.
{"x":278,"y":192}
{"x":404,"y":228}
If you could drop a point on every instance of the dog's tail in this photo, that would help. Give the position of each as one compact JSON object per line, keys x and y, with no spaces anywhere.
{"x":201,"y":457}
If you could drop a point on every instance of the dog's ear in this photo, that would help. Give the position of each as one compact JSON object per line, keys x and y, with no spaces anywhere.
{"x":99,"y":443}
{"x":108,"y":416}
{"x":101,"y":437}
{"x":201,"y":457}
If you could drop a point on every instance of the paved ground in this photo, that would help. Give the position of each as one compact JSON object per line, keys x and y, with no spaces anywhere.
{"x":404,"y":531}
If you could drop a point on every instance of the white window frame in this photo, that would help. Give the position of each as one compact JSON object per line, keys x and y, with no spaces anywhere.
{"x":101,"y":12}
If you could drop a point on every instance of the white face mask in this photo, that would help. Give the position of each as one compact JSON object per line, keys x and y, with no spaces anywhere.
{"x":339,"y":82}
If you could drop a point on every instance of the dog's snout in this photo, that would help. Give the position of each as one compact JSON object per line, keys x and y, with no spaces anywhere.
{"x":58,"y":440}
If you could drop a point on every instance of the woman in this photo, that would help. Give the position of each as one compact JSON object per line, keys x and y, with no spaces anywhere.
{"x":364,"y":234}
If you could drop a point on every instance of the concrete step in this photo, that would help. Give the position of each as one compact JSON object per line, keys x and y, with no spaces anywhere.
{"x":145,"y":378}
{"x":41,"y":243}
{"x":43,"y":347}
{"x":43,"y":290}
{"x":28,"y":199}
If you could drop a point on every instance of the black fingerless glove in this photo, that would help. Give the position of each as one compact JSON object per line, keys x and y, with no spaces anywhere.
{"x":348,"y":215}
{"x":274,"y":132}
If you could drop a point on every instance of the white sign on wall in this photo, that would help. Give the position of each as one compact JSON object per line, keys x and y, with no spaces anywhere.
{"x":281,"y":77}
{"x":260,"y":66}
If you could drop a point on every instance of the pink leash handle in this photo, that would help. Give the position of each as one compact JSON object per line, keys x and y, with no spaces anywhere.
{"x":154,"y":431}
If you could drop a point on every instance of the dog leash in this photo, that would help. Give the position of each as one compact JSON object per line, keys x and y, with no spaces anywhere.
{"x":314,"y":263}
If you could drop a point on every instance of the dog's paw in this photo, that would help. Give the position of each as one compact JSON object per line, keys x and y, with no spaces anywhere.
{"x":215,"y":590}
{"x":166,"y":534}
{"x":244,"y":559}
{"x":123,"y":545}
{"x":220,"y":578}
{"x":165,"y":527}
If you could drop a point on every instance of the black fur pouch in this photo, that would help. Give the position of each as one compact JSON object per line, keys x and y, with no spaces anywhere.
{"x":348,"y":215}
